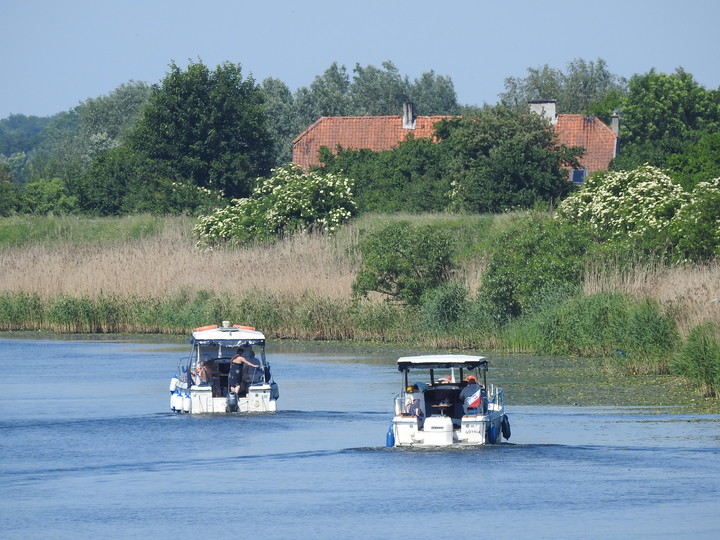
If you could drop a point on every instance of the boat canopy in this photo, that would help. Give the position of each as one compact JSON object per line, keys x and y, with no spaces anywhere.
{"x":232,"y":336}
{"x":435,"y":361}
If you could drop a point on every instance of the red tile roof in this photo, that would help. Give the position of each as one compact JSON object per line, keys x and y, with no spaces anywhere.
{"x":385,"y":132}
{"x":356,"y":132}
{"x":598,"y":140}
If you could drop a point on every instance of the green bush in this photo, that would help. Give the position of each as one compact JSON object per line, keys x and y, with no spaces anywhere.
{"x":602,"y":325}
{"x":699,"y":359}
{"x":443,"y":306}
{"x":538,"y":253}
{"x":403,"y":262}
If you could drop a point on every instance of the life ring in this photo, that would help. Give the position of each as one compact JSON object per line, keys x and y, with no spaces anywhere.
{"x":243,"y":327}
{"x":208,"y":327}
{"x":256,"y":403}
{"x":505,"y":426}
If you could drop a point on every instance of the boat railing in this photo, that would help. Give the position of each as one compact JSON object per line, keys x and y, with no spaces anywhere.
{"x":496,"y":398}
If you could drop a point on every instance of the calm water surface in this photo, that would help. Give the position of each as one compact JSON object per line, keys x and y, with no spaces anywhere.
{"x":89,"y":449}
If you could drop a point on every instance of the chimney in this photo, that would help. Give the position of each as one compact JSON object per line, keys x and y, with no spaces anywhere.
{"x":545,"y":108}
{"x":615,"y":123}
{"x":408,"y":115}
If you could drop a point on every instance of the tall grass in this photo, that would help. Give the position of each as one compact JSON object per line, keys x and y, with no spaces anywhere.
{"x":699,"y":360}
{"x":689,"y":293}
{"x":144,"y":274}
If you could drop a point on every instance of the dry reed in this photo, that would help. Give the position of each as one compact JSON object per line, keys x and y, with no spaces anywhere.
{"x":164,"y":265}
{"x":690,"y":293}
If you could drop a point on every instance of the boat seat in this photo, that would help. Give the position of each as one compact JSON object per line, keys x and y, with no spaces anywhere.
{"x":449,"y":393}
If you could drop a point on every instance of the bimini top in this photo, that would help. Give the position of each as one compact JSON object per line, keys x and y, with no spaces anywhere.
{"x":441,"y":361}
{"x":227,"y":336}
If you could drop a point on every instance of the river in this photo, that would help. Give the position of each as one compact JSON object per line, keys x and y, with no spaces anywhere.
{"x":90,"y":449}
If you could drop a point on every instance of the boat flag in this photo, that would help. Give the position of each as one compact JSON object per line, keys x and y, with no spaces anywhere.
{"x":473,"y":402}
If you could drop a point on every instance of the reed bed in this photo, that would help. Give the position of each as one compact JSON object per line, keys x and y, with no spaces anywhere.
{"x":169,"y":263}
{"x":690,"y":293}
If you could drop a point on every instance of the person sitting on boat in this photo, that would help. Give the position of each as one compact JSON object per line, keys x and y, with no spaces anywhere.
{"x":203,"y":373}
{"x":236,"y":379}
{"x":473,"y":396}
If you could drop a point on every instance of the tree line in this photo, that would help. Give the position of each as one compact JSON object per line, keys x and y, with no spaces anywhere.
{"x":202,"y":137}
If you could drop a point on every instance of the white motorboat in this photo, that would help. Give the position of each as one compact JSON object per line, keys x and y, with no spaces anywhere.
{"x":445,"y":401}
{"x":201,"y":384}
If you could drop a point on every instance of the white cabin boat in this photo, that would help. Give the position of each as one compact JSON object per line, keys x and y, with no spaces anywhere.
{"x":201,"y":385}
{"x":445,"y":401}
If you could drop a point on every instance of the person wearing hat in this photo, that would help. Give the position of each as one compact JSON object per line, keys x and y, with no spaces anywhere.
{"x":469,"y":396}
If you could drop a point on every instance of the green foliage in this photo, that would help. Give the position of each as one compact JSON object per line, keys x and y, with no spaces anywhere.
{"x":584,"y":85}
{"x":646,"y":211}
{"x":404,"y":262}
{"x":208,"y":127}
{"x":9,"y":196}
{"x":662,"y":116}
{"x":409,"y":178}
{"x":501,"y":160}
{"x":699,"y":359}
{"x":695,"y":229}
{"x":536,"y":255}
{"x":660,"y":105}
{"x":20,"y":133}
{"x":283,"y":122}
{"x":287,"y":202}
{"x":599,"y":325}
{"x":434,"y":95}
{"x":378,"y":91}
{"x":123,"y":181}
{"x":699,"y":162}
{"x":48,"y":197}
{"x":443,"y":306}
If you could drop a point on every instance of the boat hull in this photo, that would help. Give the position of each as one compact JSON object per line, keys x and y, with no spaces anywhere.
{"x":440,"y":431}
{"x":201,"y":401}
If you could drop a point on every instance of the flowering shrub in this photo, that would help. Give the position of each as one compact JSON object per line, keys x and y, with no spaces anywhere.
{"x":696,"y":228}
{"x":625,"y":204}
{"x":287,"y":202}
{"x":644,"y":208}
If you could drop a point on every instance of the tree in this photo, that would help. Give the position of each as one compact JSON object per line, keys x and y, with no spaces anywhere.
{"x":283,"y":123}
{"x":378,"y":91}
{"x":124,"y":181}
{"x":699,"y":163}
{"x":540,"y":83}
{"x":48,"y":197}
{"x":104,"y":121}
{"x":433,"y":95}
{"x":328,"y":95}
{"x":20,"y":133}
{"x":664,"y":115}
{"x":404,"y":262}
{"x":625,"y":205}
{"x":536,"y":256}
{"x":578,"y":90}
{"x":660,"y":107}
{"x":9,"y":198}
{"x":502,"y":159}
{"x":646,"y":211}
{"x":409,"y":178}
{"x":208,"y":127}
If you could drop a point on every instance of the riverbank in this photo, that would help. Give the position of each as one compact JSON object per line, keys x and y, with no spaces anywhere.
{"x":144,"y":275}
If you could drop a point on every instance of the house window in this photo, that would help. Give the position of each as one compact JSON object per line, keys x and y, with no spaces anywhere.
{"x":578,"y":175}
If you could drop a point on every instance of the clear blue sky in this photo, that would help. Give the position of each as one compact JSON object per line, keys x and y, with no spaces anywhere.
{"x":55,"y":54}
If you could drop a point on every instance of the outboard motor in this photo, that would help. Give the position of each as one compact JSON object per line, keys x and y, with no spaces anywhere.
{"x":232,"y":402}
